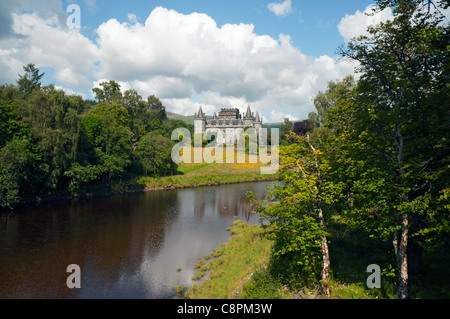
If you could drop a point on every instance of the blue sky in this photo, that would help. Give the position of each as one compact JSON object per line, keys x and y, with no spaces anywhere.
{"x":311,"y":24}
{"x":273,"y":55}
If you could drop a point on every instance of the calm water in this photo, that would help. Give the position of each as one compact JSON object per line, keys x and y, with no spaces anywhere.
{"x":127,"y":246}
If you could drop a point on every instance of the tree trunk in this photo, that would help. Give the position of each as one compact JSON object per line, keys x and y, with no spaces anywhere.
{"x":402,"y":259}
{"x":325,"y":273}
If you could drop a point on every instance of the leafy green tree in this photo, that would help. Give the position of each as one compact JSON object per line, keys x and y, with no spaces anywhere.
{"x":153,"y":151}
{"x":156,"y":109}
{"x":19,"y":171}
{"x":10,"y":124}
{"x":30,"y":80}
{"x":106,"y":126}
{"x":324,"y":101}
{"x":55,"y":120}
{"x":110,"y":92}
{"x":393,"y":133}
{"x":285,"y":128}
{"x":137,"y":110}
{"x":297,"y":215}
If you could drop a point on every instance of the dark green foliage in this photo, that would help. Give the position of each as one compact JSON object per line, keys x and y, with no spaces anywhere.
{"x":19,"y":171}
{"x":53,"y":143}
{"x":285,"y":128}
{"x":262,"y":286}
{"x":302,"y":127}
{"x":30,"y":81}
{"x":153,"y":152}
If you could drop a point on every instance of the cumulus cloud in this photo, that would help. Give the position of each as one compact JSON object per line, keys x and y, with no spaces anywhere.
{"x":280,"y":9}
{"x":132,"y":18}
{"x":354,"y":25}
{"x":67,"y":51}
{"x":184,"y":59}
{"x":70,"y":91}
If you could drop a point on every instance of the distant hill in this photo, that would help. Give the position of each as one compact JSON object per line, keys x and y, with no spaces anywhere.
{"x":272,"y":125}
{"x":189,"y":119}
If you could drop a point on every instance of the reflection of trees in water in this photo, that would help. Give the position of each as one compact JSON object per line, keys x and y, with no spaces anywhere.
{"x":107,"y":237}
{"x":224,"y":201}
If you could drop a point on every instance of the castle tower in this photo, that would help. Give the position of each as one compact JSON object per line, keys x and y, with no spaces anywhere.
{"x":199,"y":122}
{"x":258,"y":122}
{"x":248,"y":117}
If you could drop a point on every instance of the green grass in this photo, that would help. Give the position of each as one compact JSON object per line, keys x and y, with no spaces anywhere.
{"x":240,"y":268}
{"x":206,"y":174}
{"x":230,"y":265}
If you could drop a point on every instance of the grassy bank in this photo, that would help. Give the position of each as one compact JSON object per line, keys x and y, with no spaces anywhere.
{"x":240,"y":268}
{"x":219,"y":172}
{"x":230,"y":265}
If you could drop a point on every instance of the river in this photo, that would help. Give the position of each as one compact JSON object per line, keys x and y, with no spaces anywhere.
{"x":127,"y":246}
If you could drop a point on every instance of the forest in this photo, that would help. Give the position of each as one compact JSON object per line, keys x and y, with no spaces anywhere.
{"x":53,"y":143}
{"x":372,"y":160}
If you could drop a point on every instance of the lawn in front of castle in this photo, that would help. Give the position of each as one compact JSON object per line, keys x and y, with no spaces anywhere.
{"x":221,"y":171}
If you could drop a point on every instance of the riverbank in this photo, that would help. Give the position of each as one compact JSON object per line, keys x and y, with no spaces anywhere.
{"x":195,"y":175}
{"x":239,"y":268}
{"x":189,"y":175}
{"x":230,"y":265}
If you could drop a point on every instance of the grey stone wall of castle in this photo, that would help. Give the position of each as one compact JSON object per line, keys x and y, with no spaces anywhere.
{"x":229,"y":123}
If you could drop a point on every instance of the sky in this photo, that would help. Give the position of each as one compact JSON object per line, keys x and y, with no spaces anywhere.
{"x":274,"y":55}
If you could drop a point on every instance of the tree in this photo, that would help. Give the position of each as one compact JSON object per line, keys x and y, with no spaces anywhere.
{"x":296,"y":216}
{"x":110,"y":92}
{"x":302,"y":127}
{"x":55,"y":120}
{"x":19,"y":171}
{"x":394,"y":134}
{"x":154,"y":154}
{"x":156,"y":109}
{"x":30,"y":80}
{"x":285,"y":128}
{"x":106,"y":126}
{"x":10,"y":124}
{"x":324,"y":101}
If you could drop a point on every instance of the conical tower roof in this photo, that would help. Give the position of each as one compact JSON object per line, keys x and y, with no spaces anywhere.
{"x":258,"y":119}
{"x":249,"y":112}
{"x":200,"y":113}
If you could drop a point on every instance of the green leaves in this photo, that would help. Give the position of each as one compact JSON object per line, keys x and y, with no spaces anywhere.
{"x":30,"y":81}
{"x":154,"y":153}
{"x":54,"y":143}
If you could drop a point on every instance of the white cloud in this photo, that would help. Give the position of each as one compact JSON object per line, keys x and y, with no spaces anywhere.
{"x":354,"y":25}
{"x":70,"y":91}
{"x":124,"y":86}
{"x":184,"y":59}
{"x":132,"y":18}
{"x":280,"y":9}
{"x":44,"y":42}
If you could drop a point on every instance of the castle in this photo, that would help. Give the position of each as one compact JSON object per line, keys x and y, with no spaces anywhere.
{"x":229,"y":124}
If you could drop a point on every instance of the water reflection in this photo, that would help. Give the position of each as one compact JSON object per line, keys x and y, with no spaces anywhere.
{"x":127,"y":246}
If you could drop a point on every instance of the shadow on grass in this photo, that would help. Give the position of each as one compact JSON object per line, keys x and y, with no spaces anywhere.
{"x":352,"y":251}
